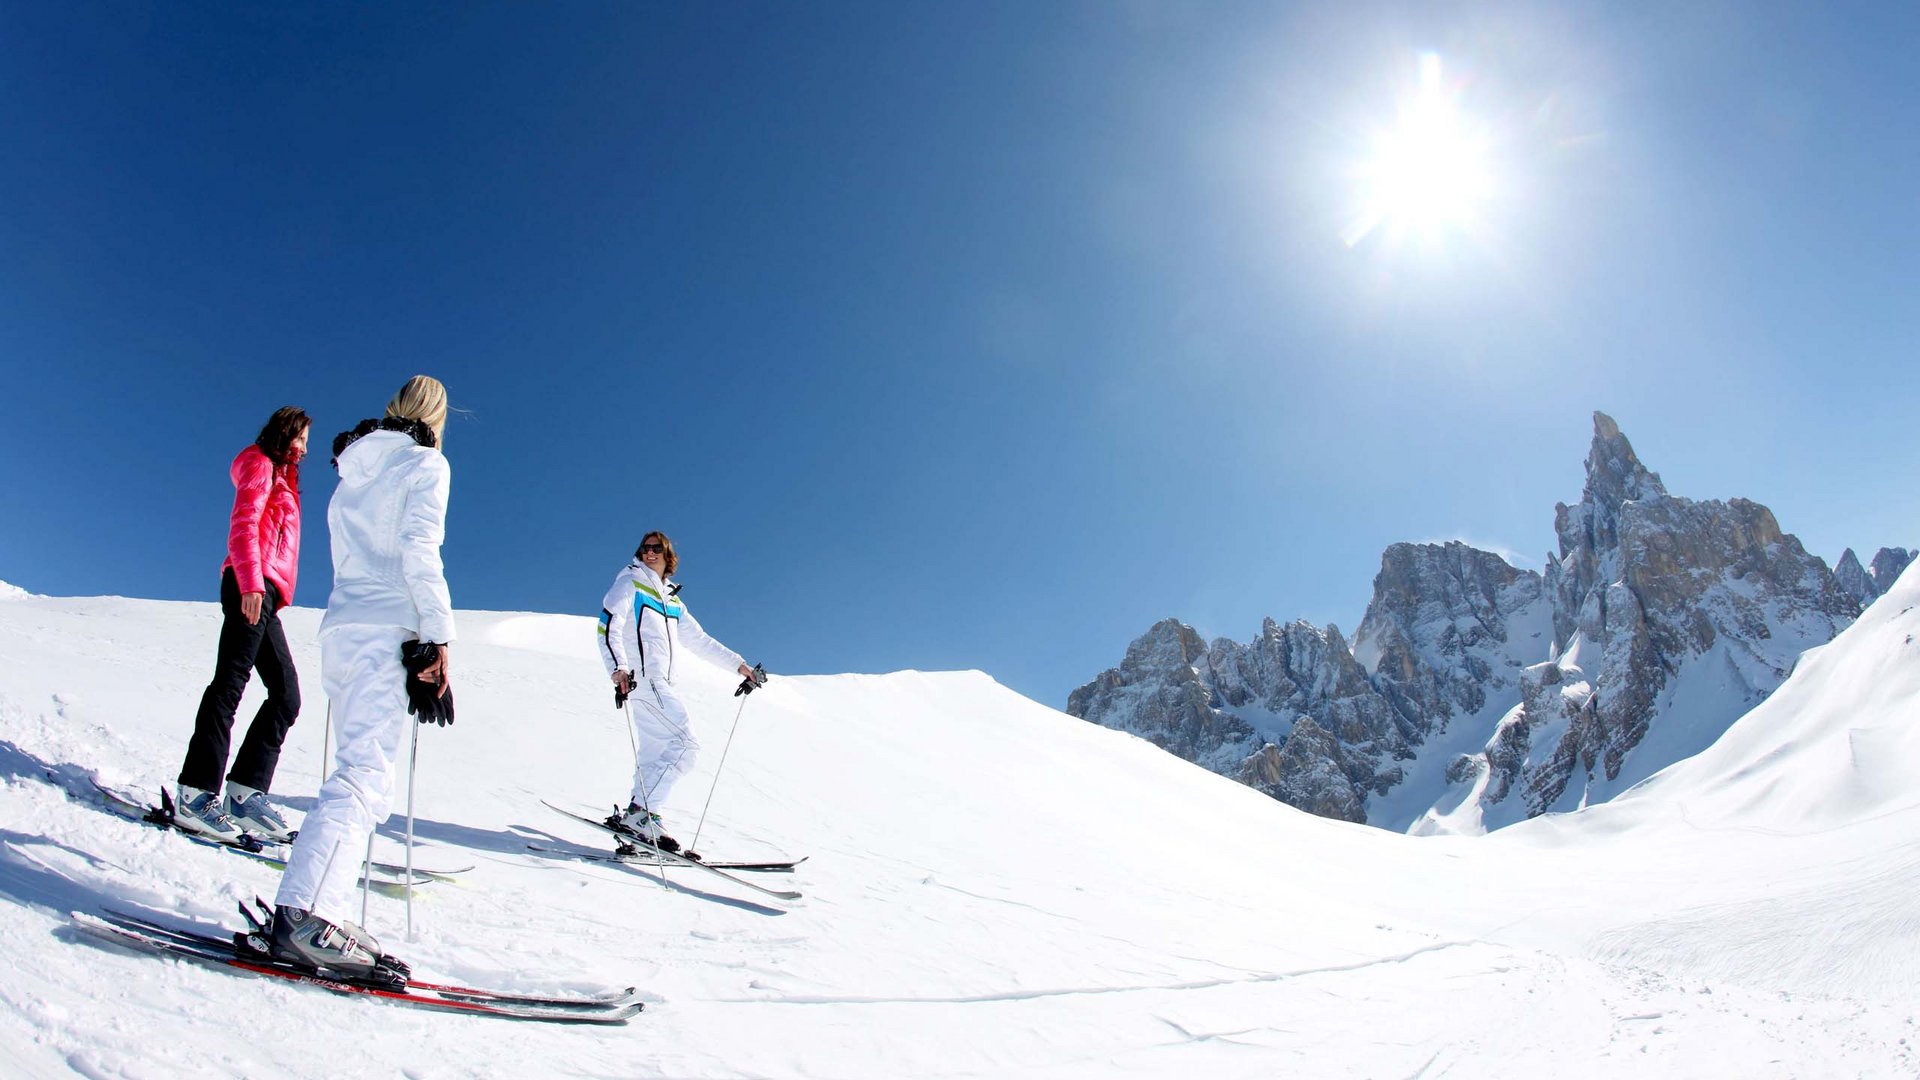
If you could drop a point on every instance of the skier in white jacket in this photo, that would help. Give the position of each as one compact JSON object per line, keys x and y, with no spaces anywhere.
{"x":643,"y":629}
{"x":387,"y":520}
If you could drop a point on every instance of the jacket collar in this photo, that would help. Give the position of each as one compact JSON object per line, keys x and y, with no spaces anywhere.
{"x":420,"y":433}
{"x":288,"y":469}
{"x":645,"y":573}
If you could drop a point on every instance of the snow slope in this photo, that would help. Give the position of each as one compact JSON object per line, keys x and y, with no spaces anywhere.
{"x":994,"y":889}
{"x":1794,"y":840}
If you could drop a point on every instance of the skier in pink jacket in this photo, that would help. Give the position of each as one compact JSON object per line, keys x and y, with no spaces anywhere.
{"x":256,"y":582}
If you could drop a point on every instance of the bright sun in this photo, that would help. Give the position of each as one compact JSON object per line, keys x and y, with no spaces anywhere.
{"x":1430,"y":172}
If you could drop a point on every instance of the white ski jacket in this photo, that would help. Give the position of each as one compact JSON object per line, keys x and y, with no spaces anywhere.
{"x":388,"y":518}
{"x":643,"y":624}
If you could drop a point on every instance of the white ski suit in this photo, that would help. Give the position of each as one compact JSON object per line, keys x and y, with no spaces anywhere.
{"x":643,"y":624}
{"x":387,"y":520}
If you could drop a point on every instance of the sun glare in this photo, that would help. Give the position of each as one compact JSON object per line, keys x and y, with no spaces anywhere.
{"x":1429,"y":172}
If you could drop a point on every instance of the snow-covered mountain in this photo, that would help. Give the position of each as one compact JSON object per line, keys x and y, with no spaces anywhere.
{"x":994,"y":888}
{"x":1476,"y":694}
{"x":1334,"y":729}
{"x":1671,"y":618}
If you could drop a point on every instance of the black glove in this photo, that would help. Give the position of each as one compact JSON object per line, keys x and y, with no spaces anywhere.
{"x":752,"y":682}
{"x":431,"y":702}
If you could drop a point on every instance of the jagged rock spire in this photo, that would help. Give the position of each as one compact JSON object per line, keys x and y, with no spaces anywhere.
{"x":1589,"y":533}
{"x":1853,"y":578}
{"x":1614,"y":474}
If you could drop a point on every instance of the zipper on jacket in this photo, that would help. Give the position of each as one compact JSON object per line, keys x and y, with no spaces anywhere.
{"x":640,"y":636}
{"x":666,"y":627}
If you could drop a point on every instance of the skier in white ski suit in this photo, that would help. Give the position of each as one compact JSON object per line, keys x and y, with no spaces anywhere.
{"x":643,"y":626}
{"x":387,"y":520}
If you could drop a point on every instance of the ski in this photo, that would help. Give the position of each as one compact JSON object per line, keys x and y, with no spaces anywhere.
{"x":671,"y":859}
{"x":776,"y":866}
{"x":260,"y":917}
{"x":392,"y":875}
{"x":223,"y":952}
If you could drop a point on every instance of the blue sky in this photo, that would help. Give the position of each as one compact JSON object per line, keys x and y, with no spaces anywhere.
{"x":945,"y":336}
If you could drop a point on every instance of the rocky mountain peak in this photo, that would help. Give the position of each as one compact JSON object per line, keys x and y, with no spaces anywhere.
{"x":1866,"y":585}
{"x":1888,"y":565}
{"x":1417,"y":581}
{"x":1650,"y":587}
{"x":1168,"y":644}
{"x":1614,"y":472}
{"x":1589,"y":533}
{"x":1853,"y":578}
{"x":1475,"y":693}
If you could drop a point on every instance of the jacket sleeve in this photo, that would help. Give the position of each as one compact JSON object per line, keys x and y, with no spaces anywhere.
{"x":252,"y":482}
{"x":617,"y":624}
{"x":703,"y":645}
{"x":423,"y":527}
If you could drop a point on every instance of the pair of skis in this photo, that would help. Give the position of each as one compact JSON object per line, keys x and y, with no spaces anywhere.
{"x":644,"y":858}
{"x":648,"y":855}
{"x":198,"y":944}
{"x":241,"y":952}
{"x":383,"y":876}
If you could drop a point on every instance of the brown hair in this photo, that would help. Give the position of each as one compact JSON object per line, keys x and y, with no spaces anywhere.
{"x":673,"y":560}
{"x":277,"y":435}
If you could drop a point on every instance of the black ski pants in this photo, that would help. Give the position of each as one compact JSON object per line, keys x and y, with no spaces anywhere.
{"x":244,"y":648}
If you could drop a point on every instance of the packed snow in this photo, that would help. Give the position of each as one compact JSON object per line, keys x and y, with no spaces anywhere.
{"x":993,"y":888}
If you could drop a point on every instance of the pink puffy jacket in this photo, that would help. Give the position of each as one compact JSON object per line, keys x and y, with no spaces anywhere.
{"x":263,"y":540}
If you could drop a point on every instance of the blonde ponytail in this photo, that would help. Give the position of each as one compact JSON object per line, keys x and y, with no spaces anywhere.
{"x":425,"y":400}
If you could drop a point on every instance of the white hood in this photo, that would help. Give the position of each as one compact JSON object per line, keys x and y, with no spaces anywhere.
{"x":388,"y":520}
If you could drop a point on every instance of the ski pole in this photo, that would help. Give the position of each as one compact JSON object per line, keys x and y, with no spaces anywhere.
{"x":626,"y":703}
{"x":413,"y":761}
{"x":366,"y":878}
{"x":632,"y":740}
{"x":716,"y":774}
{"x":326,"y":742}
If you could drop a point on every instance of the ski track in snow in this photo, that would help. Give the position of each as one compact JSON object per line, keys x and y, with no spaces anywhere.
{"x":978,"y":901}
{"x":1029,"y":995}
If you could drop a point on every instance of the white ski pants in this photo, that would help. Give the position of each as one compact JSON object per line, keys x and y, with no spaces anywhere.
{"x":664,"y":733}
{"x":361,"y":673}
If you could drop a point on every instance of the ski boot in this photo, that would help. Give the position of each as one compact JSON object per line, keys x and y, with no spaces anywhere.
{"x":303,"y":940}
{"x":251,"y":811}
{"x":643,"y":825}
{"x":204,"y":813}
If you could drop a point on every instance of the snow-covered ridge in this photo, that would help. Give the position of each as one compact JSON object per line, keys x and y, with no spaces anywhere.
{"x":1837,"y":744}
{"x":1824,"y":778}
{"x":994,"y":889}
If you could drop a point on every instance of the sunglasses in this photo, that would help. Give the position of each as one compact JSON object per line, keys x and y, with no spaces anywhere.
{"x":657,"y":549}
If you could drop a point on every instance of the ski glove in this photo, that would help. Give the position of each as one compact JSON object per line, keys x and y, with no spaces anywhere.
{"x":752,"y":682}
{"x":432,"y":704}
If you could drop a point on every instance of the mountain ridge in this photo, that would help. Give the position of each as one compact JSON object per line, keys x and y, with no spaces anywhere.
{"x":1476,"y":693}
